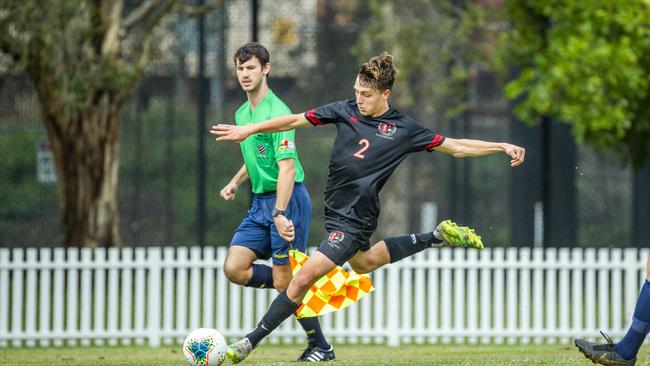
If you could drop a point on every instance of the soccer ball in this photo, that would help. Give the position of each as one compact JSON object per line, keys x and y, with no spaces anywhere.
{"x":205,"y":347}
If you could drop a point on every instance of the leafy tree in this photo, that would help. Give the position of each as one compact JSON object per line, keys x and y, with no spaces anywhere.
{"x":585,"y":63}
{"x":84,"y":58}
{"x":433,"y":43}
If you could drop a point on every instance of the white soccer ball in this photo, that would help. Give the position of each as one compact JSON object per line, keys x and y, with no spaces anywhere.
{"x":205,"y":347}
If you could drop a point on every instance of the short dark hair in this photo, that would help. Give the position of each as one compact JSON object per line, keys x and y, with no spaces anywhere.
{"x":378,"y":73}
{"x":247,"y":51}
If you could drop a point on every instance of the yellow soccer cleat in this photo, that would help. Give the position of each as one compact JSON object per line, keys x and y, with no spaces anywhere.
{"x":239,"y":350}
{"x":458,"y":236}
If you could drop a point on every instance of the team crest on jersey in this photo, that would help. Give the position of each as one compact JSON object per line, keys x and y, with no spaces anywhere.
{"x":336,"y":237}
{"x":354,"y":119}
{"x":387,"y":129}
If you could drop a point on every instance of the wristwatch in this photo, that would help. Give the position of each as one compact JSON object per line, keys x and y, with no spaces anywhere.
{"x":278,"y":212}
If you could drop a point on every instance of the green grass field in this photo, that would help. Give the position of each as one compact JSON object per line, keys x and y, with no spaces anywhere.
{"x":469,"y":355}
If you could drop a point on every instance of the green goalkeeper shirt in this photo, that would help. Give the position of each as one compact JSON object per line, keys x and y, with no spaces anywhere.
{"x":262,"y":151}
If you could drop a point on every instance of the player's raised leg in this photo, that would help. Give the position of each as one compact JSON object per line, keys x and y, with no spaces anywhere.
{"x":396,"y":248}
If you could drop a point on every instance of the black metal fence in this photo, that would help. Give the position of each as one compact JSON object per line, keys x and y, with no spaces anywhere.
{"x":160,"y":173}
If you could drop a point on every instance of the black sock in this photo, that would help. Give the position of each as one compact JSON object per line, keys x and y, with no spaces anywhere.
{"x":314,"y":333}
{"x":281,"y":308}
{"x":400,"y":247}
{"x":262,"y":277}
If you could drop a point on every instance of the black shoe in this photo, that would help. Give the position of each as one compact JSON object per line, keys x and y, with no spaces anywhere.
{"x":604,"y":354}
{"x":315,"y":354}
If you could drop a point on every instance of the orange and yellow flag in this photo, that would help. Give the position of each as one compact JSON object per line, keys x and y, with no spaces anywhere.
{"x":334,"y":291}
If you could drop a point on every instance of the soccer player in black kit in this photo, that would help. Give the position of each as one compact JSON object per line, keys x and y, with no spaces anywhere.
{"x":372,"y":140}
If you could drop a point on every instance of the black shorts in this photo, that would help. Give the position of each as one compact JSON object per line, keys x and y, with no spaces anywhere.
{"x":343,"y":240}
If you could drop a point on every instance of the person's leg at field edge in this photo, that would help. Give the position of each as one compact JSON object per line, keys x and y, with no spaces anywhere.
{"x":628,"y":347}
{"x":624,"y":352}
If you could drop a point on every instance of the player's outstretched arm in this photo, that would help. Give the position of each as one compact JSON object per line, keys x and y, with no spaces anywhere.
{"x":234,"y":133}
{"x":461,"y":148}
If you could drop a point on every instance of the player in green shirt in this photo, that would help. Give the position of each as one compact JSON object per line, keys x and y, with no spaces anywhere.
{"x":281,"y":210}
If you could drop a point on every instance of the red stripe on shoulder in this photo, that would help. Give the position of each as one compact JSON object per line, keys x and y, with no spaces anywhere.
{"x":437,"y":141}
{"x":311,"y":117}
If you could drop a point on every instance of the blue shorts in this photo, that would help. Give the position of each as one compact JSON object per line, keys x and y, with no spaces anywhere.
{"x":258,"y":232}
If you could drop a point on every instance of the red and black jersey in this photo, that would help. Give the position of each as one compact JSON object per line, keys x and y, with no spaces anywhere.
{"x":366,"y":152}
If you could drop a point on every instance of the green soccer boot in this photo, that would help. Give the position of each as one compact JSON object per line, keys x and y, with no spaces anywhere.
{"x":457,"y":236}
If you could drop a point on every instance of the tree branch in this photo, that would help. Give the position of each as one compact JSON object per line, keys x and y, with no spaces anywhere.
{"x":198,"y":10}
{"x":139,"y":13}
{"x":6,"y":45}
{"x":110,"y":13}
{"x":142,"y":57}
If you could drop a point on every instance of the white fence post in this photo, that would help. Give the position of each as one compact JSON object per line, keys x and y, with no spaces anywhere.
{"x":564,"y":295}
{"x":127,"y":294}
{"x":113,"y":293}
{"x":86,"y":294}
{"x":524,"y":294}
{"x":499,"y":308}
{"x":58,"y":296}
{"x":30,"y":296}
{"x":4,"y":294}
{"x":393,"y":331}
{"x":44,"y":297}
{"x":99,"y":291}
{"x":445,"y":296}
{"x":632,"y":285}
{"x":487,"y":305}
{"x":538,"y":294}
{"x":154,"y":257}
{"x":512,"y":294}
{"x":551,"y":297}
{"x":17,"y":296}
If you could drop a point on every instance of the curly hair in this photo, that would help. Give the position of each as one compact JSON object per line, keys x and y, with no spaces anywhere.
{"x":378,"y":73}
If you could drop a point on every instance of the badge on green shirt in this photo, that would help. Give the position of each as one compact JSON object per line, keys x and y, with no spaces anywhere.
{"x":262,"y":151}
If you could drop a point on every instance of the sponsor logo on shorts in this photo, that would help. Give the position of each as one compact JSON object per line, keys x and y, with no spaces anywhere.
{"x":413,"y":239}
{"x":333,"y":245}
{"x":261,"y":149}
{"x":336,"y":237}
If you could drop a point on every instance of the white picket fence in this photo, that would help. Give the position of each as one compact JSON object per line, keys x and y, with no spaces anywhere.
{"x":157,"y":295}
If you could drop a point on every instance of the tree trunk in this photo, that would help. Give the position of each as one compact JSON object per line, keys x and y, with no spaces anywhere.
{"x":85,"y":148}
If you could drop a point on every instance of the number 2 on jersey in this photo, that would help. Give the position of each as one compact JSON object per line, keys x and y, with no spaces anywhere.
{"x":359,"y":154}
